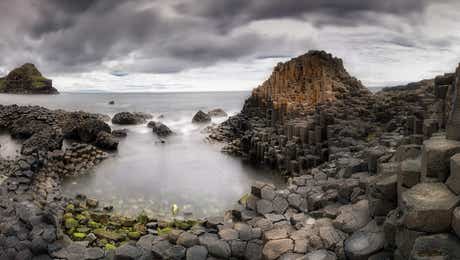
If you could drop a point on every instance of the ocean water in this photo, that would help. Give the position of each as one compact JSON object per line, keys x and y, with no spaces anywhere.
{"x":147,"y":175}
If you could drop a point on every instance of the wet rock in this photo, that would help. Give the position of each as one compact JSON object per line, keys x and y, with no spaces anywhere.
{"x":47,"y":140}
{"x":275,"y":248}
{"x":127,"y":118}
{"x":201,"y":117}
{"x":160,"y":129}
{"x":264,"y":206}
{"x":106,"y":141}
{"x":87,"y":130}
{"x":111,"y":102}
{"x":254,"y":250}
{"x":219,"y":248}
{"x":428,"y":207}
{"x":197,"y":253}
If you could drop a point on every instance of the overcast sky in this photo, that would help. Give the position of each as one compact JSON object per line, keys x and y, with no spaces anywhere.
{"x":196,"y":45}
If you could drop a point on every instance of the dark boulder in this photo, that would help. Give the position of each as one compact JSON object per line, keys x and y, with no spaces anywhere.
{"x":201,"y":117}
{"x":127,"y":118}
{"x":89,"y":130}
{"x":106,"y":141}
{"x":160,"y":129}
{"x":48,"y":139}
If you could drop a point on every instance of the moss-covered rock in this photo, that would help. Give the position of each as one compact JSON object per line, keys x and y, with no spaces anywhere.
{"x":70,"y":223}
{"x":134,"y":235}
{"x":26,"y":80}
{"x":109,"y":235}
{"x":78,"y":236}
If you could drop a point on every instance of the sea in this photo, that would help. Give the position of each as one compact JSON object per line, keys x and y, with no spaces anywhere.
{"x":146,"y":175}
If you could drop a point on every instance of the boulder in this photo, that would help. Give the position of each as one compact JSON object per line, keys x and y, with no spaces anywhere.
{"x":453,"y":182}
{"x":436,"y":154}
{"x":218,"y":112}
{"x":275,"y":248}
{"x":409,"y":174}
{"x":160,"y":129}
{"x":428,"y":207}
{"x":201,"y":117}
{"x":88,"y":130}
{"x":439,"y":246}
{"x":106,"y":141}
{"x":352,"y":217}
{"x":197,"y":253}
{"x":127,"y":118}
{"x":456,"y":221}
{"x":127,"y":252}
{"x":364,"y":243}
{"x":320,"y":255}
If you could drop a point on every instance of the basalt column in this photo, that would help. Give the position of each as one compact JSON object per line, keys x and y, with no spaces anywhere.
{"x":453,"y":124}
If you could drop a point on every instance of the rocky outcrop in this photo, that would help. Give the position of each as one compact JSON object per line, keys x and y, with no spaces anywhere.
{"x":217,"y":112}
{"x":26,"y":80}
{"x":127,"y":118}
{"x":201,"y":117}
{"x":160,"y":129}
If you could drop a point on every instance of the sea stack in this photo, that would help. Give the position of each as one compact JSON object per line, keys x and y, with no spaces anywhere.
{"x":26,"y":79}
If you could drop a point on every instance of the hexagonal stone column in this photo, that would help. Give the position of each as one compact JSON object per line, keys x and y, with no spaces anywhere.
{"x":453,"y":182}
{"x":439,"y":246}
{"x":436,"y":157}
{"x":453,"y":123}
{"x":428,"y":207}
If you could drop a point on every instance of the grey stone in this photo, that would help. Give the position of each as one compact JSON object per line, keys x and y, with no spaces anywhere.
{"x":127,"y":252}
{"x":175,"y":252}
{"x":280,"y":204}
{"x":238,"y":248}
{"x":197,"y":253}
{"x":428,"y":207}
{"x":360,"y":245}
{"x":268,"y":193}
{"x":254,"y":250}
{"x":228,"y":234}
{"x":439,"y":246}
{"x":436,"y":156}
{"x":94,"y":253}
{"x":187,"y":239}
{"x":453,"y":182}
{"x":410,"y":172}
{"x":352,"y":217}
{"x":320,"y":255}
{"x":219,"y":248}
{"x":456,"y":221}
{"x":244,"y":231}
{"x":264,"y":206}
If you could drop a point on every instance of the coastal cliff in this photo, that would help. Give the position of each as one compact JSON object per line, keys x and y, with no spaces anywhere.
{"x":26,"y":80}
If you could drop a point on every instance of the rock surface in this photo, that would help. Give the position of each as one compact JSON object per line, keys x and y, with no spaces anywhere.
{"x":26,"y":80}
{"x":201,"y":117}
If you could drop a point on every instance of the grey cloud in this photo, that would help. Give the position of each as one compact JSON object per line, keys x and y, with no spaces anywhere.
{"x":169,"y":36}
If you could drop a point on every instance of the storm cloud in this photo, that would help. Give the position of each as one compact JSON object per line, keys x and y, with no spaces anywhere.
{"x":66,"y":37}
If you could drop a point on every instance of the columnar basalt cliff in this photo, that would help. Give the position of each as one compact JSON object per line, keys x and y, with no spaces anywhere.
{"x":26,"y":80}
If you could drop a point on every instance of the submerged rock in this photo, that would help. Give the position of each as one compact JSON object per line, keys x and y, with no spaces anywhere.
{"x":201,"y":117}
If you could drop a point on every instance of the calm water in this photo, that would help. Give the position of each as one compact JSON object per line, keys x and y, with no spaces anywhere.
{"x":147,"y":175}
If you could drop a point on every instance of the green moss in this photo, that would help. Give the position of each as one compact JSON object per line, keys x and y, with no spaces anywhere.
{"x":78,"y":236}
{"x":143,"y":218}
{"x":68,"y":215}
{"x":70,"y":207}
{"x":93,"y":224}
{"x":81,"y":218}
{"x":134,"y":235}
{"x":164,"y":231}
{"x":109,"y":247}
{"x":109,"y":235}
{"x":70,"y":223}
{"x":184,"y":224}
{"x":83,"y":230}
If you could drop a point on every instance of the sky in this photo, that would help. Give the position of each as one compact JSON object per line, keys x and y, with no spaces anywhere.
{"x":223,"y":45}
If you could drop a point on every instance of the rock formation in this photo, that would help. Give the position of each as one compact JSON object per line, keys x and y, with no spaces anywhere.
{"x":26,"y":80}
{"x":453,"y":125}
